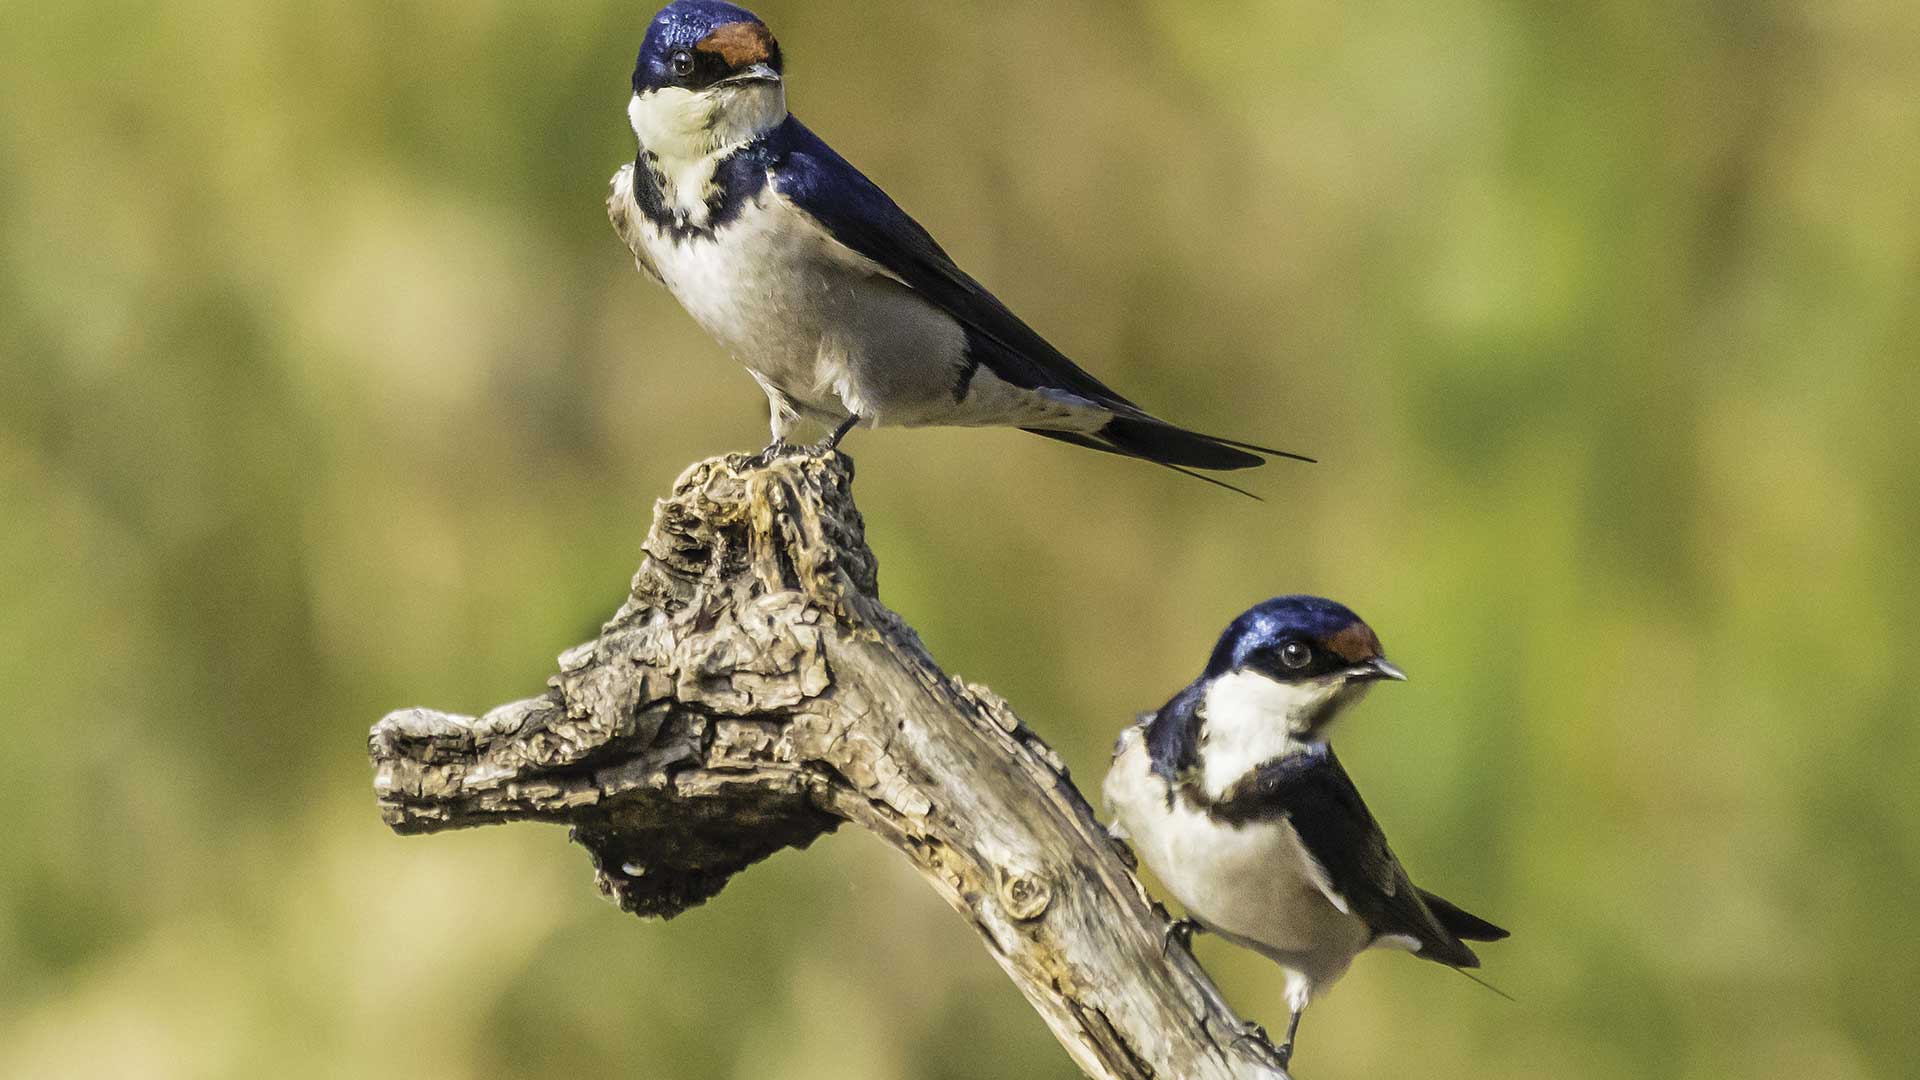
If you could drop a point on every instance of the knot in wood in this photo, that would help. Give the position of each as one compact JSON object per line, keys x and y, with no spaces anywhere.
{"x":1023,"y":896}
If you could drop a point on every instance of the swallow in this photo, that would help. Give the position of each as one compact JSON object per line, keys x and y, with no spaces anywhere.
{"x":841,"y":306}
{"x":1232,"y":795}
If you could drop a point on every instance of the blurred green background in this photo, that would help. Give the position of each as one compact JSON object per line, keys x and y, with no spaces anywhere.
{"x":328,"y":391}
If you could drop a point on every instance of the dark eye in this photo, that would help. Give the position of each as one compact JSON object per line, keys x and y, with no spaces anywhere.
{"x":681,"y":62}
{"x":1295,"y":654}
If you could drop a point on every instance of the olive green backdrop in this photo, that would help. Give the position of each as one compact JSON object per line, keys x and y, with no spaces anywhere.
{"x":327,"y":391}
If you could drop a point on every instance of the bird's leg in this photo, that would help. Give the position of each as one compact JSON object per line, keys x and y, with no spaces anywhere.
{"x":1180,"y":932}
{"x":832,"y":442}
{"x":781,"y":417}
{"x":1285,"y":1050}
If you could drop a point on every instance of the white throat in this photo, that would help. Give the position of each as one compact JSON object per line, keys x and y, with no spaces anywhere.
{"x":1252,"y":719}
{"x":686,"y":129}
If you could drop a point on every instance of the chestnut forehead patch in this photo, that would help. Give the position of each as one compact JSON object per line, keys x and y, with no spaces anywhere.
{"x":1355,"y":643}
{"x":739,"y":43}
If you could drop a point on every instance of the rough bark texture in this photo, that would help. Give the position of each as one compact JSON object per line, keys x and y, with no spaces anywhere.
{"x":752,"y":694}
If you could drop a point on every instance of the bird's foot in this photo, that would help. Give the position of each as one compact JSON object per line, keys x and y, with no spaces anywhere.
{"x":1180,"y":932}
{"x":1249,"y":1032}
{"x":775,"y":450}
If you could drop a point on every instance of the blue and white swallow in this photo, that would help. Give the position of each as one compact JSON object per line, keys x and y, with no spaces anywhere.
{"x":1232,"y":795}
{"x":842,"y":307}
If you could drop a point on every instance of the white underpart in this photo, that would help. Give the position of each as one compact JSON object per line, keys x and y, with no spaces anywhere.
{"x":1254,"y":884}
{"x":826,"y":332}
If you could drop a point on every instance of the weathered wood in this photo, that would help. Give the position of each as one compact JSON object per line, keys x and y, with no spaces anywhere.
{"x":752,"y":694}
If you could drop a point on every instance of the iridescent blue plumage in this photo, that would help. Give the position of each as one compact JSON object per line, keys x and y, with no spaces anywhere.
{"x":1267,"y":624}
{"x":683,"y":25}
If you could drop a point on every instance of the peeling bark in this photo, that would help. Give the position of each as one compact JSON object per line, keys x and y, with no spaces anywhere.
{"x":752,"y":694}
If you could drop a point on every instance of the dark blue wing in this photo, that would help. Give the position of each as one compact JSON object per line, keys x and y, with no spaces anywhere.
{"x":1314,"y":793}
{"x":861,"y":216}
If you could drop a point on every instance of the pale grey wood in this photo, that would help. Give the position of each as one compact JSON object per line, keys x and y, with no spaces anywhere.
{"x":752,"y":694}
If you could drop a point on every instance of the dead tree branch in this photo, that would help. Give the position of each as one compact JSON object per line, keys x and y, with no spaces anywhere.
{"x":752,"y":694}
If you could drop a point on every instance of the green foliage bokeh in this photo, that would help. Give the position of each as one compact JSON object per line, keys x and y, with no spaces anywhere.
{"x":328,"y":391}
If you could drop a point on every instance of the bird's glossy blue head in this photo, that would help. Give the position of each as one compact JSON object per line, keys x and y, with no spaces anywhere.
{"x":695,"y":44}
{"x":1296,"y":639}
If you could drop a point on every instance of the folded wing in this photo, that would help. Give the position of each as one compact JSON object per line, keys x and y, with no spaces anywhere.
{"x":864,"y":219}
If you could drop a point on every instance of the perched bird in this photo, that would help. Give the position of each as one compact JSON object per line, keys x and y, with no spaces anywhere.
{"x":1232,"y":796}
{"x":842,"y":307}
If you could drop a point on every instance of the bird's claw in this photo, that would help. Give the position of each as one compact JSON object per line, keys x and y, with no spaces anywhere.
{"x":774,"y":451}
{"x":1250,"y":1032}
{"x":1180,"y":932}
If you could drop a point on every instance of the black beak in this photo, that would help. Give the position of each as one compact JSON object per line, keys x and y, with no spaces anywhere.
{"x":1377,"y":668}
{"x":755,"y":73}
